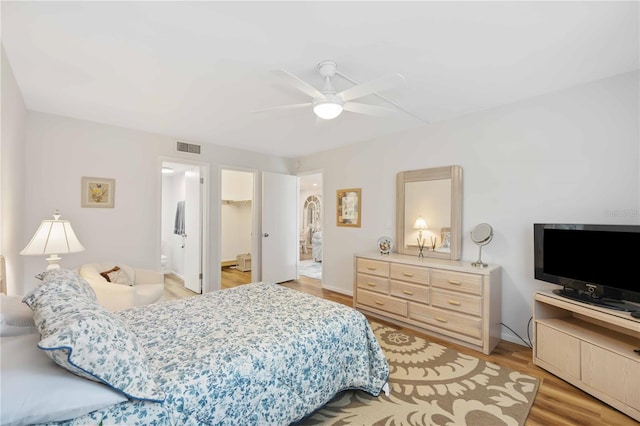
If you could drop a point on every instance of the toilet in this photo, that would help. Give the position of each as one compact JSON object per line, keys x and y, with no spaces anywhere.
{"x":163,"y":263}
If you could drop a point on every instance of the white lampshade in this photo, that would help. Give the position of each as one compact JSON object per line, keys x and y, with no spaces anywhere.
{"x":53,"y":237}
{"x":327,"y":109}
{"x":420,"y":224}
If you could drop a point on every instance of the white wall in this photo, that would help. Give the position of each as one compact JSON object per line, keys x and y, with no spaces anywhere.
{"x":12,"y":177}
{"x":570,"y":156}
{"x":61,"y":150}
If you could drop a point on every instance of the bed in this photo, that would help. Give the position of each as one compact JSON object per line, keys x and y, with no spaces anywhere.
{"x":257,"y":354}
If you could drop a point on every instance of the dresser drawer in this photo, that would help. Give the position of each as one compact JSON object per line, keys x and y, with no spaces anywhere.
{"x":382,"y":303}
{"x":459,"y":323}
{"x":456,"y":301}
{"x":414,"y":292}
{"x":373,"y":283}
{"x":373,"y":267}
{"x":415,"y":274}
{"x":457,"y":281}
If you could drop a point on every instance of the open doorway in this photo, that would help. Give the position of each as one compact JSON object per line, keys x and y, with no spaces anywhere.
{"x":311,"y":213}
{"x":236,"y":227}
{"x":182,"y":233}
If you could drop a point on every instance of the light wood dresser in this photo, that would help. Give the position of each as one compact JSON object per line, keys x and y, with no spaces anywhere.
{"x":592,"y":348}
{"x":448,"y":299}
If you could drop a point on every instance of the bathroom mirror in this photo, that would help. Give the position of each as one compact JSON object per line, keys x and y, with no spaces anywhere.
{"x":429,"y":212}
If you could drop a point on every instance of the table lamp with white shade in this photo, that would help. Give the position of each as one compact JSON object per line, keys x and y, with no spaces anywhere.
{"x":420,"y":225}
{"x":53,"y":237}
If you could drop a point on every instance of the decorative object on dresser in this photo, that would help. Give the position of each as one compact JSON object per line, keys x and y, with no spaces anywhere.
{"x":53,"y":237}
{"x":591,"y":347}
{"x":448,"y":299}
{"x":436,"y":194}
{"x":98,"y":192}
{"x":348,"y":207}
{"x":384,"y":245}
{"x":482,"y":235}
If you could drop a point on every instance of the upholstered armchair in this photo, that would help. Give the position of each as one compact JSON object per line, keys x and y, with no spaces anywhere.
{"x":133,"y":286}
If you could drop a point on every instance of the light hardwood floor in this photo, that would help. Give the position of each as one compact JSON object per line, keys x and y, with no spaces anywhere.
{"x":557,"y":402}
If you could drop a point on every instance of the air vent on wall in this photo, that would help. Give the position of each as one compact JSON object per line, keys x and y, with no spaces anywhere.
{"x":188,"y":147}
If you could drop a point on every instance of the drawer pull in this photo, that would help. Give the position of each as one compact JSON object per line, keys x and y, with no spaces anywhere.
{"x":454,"y":282}
{"x":379,"y":303}
{"x":454,"y":302}
{"x":371,"y":284}
{"x":371,"y":268}
{"x":406,"y":274}
{"x":410,"y":293}
{"x":441,"y":319}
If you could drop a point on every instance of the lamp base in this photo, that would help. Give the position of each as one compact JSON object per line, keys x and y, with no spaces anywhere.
{"x":479,"y":264}
{"x":53,"y":262}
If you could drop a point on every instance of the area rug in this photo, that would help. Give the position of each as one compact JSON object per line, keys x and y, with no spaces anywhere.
{"x":433,"y":385}
{"x":310,"y":268}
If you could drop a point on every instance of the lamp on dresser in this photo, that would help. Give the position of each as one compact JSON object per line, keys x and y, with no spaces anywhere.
{"x":53,"y":237}
{"x":420,"y":225}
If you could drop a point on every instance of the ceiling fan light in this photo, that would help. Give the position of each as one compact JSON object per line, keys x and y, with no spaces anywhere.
{"x":327,"y":110}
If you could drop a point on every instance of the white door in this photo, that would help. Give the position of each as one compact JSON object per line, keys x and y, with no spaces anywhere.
{"x":279,"y":227}
{"x":192,"y":229}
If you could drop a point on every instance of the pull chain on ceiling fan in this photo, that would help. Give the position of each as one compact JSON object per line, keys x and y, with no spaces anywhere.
{"x":327,"y":104}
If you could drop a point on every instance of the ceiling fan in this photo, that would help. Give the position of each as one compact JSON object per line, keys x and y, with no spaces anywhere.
{"x":327,"y":104}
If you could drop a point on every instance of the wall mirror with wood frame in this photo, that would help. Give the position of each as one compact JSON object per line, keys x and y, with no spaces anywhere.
{"x":429,"y":212}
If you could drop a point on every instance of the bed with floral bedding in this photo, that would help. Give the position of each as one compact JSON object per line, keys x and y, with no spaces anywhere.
{"x":258,"y":354}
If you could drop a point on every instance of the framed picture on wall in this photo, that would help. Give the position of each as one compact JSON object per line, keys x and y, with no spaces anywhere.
{"x":98,"y":192}
{"x":348,"y":207}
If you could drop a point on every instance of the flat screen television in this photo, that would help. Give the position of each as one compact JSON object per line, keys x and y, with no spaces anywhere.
{"x":596,"y":264}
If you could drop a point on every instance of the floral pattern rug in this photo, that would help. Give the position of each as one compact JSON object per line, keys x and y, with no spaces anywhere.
{"x":433,"y":385}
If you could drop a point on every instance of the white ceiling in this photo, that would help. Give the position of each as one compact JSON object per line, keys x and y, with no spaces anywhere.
{"x":197,"y":70}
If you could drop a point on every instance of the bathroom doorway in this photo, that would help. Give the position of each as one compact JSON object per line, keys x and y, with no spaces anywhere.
{"x":182,"y":232}
{"x":311,"y":213}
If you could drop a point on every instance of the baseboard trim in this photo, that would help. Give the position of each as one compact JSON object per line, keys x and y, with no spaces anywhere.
{"x":337,"y":290}
{"x":225,"y":263}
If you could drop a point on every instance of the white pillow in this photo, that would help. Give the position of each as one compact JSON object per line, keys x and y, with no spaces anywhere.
{"x":36,"y":390}
{"x":15,"y":317}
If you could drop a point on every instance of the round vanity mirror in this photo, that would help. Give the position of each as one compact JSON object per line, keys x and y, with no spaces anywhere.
{"x":482,"y":235}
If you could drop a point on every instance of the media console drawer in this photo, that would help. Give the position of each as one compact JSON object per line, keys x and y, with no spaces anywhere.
{"x":451,"y":300}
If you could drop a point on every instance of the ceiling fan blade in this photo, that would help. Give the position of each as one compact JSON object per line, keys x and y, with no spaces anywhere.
{"x":299,"y":84}
{"x":284,"y":107}
{"x":369,"y":109}
{"x":372,"y":86}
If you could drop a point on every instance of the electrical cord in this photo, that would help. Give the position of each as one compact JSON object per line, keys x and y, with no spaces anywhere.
{"x":529,"y":344}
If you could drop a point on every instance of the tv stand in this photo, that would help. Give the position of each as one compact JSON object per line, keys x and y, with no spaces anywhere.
{"x":584,"y":297}
{"x":591,"y":347}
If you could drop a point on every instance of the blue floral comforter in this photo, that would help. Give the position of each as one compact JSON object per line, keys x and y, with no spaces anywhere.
{"x":258,"y":354}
